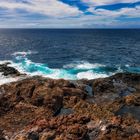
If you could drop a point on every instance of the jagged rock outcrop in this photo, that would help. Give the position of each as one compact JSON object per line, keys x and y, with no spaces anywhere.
{"x":8,"y":71}
{"x":38,"y":108}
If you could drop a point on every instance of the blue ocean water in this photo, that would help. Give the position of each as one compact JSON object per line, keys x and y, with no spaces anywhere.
{"x":71,"y":53}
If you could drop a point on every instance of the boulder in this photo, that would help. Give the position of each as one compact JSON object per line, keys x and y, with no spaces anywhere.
{"x":8,"y":71}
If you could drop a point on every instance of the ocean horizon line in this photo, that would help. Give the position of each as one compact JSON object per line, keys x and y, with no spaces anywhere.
{"x":75,"y":28}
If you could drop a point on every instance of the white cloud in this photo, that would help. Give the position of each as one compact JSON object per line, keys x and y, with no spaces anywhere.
{"x":85,"y":21}
{"x":61,"y":15}
{"x":129,"y":12}
{"x":53,"y":8}
{"x":82,"y":22}
{"x":107,"y":2}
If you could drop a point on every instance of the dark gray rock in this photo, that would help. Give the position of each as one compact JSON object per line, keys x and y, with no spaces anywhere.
{"x":7,"y":70}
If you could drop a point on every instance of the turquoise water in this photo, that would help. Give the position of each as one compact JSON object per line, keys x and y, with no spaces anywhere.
{"x":76,"y":70}
{"x":71,"y":53}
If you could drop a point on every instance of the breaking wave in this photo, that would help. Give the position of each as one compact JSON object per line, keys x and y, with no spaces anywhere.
{"x":73,"y":71}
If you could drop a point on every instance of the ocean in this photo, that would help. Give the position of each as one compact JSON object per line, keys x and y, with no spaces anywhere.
{"x":71,"y":53}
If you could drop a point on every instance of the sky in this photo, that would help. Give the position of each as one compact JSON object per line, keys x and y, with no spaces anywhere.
{"x":69,"y":13}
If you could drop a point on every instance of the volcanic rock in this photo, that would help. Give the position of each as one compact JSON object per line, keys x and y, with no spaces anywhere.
{"x":38,"y":108}
{"x":7,"y":70}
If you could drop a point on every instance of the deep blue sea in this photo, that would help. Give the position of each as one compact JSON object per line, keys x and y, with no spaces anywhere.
{"x":71,"y":53}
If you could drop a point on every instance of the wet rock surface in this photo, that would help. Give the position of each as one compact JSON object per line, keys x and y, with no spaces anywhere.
{"x":7,"y":70}
{"x":38,"y":108}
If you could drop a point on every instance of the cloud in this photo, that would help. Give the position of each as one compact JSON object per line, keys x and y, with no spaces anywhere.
{"x":129,"y":12}
{"x":107,"y":2}
{"x":85,"y":21}
{"x":53,"y":8}
{"x":57,"y":14}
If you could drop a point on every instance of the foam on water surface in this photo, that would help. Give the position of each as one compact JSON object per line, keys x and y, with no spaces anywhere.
{"x":82,"y":65}
{"x":78,"y":70}
{"x":90,"y":75}
{"x":8,"y":79}
{"x":24,"y":53}
{"x":73,"y":71}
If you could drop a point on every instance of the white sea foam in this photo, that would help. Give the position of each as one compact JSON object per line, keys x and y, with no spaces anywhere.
{"x":5,"y":61}
{"x":59,"y":73}
{"x":24,"y":65}
{"x":73,"y":71}
{"x":90,"y":75}
{"x":83,"y":65}
{"x":8,"y":79}
{"x":18,"y":67}
{"x":24,"y":53}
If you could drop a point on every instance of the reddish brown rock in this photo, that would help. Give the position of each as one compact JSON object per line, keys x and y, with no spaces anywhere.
{"x":37,"y":108}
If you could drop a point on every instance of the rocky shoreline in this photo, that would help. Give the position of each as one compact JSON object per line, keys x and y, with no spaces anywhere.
{"x":37,"y":108}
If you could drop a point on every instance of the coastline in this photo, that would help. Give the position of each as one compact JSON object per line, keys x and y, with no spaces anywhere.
{"x":40,"y":108}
